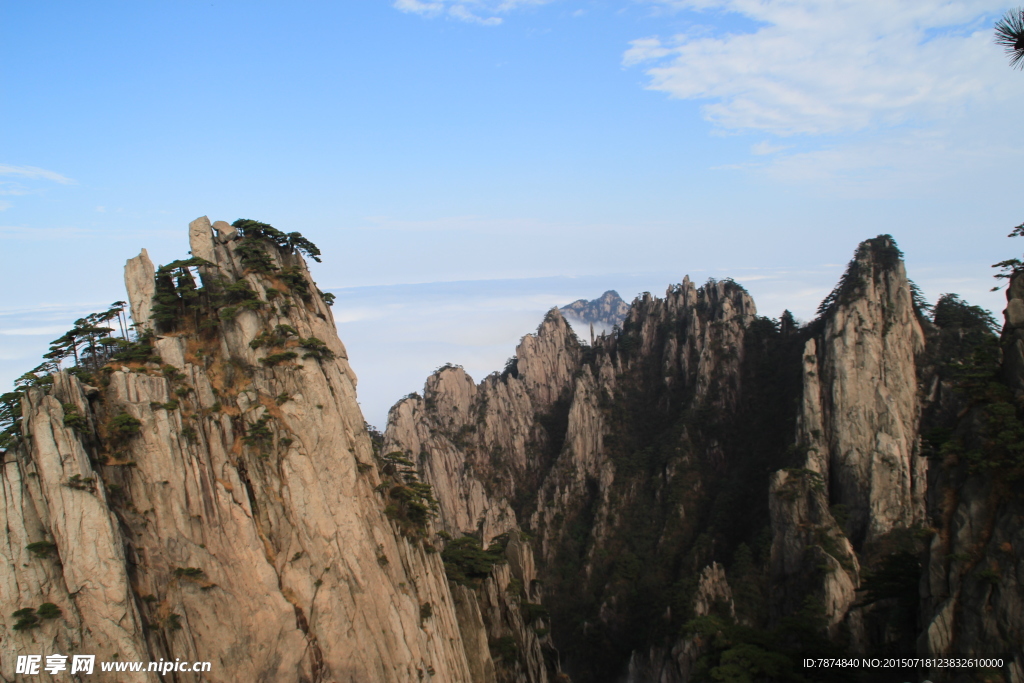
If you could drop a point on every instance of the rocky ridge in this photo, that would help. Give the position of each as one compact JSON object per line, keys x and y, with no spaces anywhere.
{"x":641,"y":462}
{"x":477,"y":445}
{"x":218,"y":497}
{"x":536,"y":446}
{"x":703,"y":489}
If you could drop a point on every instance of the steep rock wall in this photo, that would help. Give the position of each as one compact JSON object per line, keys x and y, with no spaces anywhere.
{"x":864,"y":493}
{"x":972,"y":588}
{"x":529,"y":447}
{"x":219,"y":503}
{"x":221,"y":500}
{"x":657,"y":437}
{"x":867,"y":403}
{"x":480,"y":447}
{"x":858,"y":428}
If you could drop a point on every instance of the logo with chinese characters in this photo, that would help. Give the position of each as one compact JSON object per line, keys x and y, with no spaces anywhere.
{"x":31,"y":664}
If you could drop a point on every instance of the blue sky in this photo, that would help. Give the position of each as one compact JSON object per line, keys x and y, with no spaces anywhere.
{"x":458,"y":140}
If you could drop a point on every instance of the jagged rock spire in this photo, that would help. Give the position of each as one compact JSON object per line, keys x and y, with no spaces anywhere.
{"x":139,"y":276}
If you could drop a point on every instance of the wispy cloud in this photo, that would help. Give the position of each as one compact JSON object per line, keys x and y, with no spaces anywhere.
{"x":484,"y":12}
{"x":21,"y":232}
{"x":34,"y":331}
{"x":483,"y":225}
{"x":830,"y":67}
{"x":874,"y":98}
{"x":417,"y":7}
{"x":48,"y":312}
{"x":963,"y":159}
{"x":463,"y":13}
{"x":766,"y":147}
{"x":35,"y":173}
{"x":9,"y":189}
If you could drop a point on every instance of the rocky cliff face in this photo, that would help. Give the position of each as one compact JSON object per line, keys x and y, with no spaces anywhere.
{"x":704,"y":493}
{"x":877,"y":381}
{"x":703,"y":436}
{"x":858,"y":425}
{"x":609,"y":455}
{"x":972,"y":587}
{"x":861,"y":410}
{"x":217,"y":498}
{"x":480,"y":447}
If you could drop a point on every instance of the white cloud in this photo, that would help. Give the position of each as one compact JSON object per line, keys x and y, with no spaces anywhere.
{"x":34,"y":331}
{"x":486,"y":225}
{"x":8,"y":189}
{"x":417,"y":7}
{"x":5,"y":205}
{"x":34,"y":173}
{"x":25,"y":233}
{"x":484,"y":12}
{"x":766,"y":147}
{"x":49,"y":312}
{"x":977,"y":155}
{"x":357,"y":314}
{"x":832,"y":66}
{"x":460,"y":11}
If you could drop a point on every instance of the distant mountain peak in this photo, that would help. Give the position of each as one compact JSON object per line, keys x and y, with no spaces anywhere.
{"x":604,"y":313}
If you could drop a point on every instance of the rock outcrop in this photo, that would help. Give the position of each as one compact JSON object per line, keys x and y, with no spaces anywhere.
{"x":139,"y":280}
{"x":478,"y":446}
{"x":858,"y":426}
{"x":861,"y":411}
{"x":218,"y":500}
{"x":561,"y":444}
{"x":1013,"y":336}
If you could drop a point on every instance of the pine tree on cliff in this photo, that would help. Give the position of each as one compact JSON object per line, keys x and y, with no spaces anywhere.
{"x":1010,"y":35}
{"x":1010,"y":267}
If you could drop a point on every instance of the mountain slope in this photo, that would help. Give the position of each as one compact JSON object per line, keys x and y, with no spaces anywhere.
{"x":704,"y":437}
{"x":213,"y":495}
{"x":704,"y":494}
